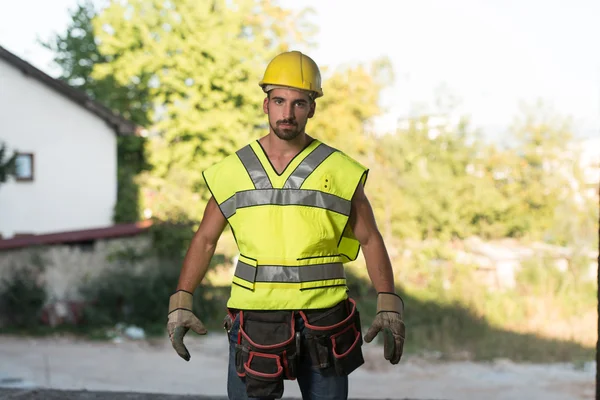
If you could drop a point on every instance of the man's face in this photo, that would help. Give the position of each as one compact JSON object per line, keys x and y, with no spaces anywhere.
{"x":288,"y":112}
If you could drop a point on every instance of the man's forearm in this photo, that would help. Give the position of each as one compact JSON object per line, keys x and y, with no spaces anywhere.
{"x":195,"y":263}
{"x":378,"y":262}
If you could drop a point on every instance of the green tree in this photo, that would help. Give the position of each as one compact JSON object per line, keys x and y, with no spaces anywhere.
{"x":76,"y":52}
{"x":350,"y":102}
{"x":199,"y":63}
{"x":189,"y":72}
{"x":429,"y":181}
{"x":7,"y":164}
{"x":541,"y":171}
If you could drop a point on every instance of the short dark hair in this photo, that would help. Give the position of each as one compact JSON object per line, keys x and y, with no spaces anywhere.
{"x":312,"y":99}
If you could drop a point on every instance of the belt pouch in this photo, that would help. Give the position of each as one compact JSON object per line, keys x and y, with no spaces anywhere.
{"x":267,"y":351}
{"x":334,"y":337}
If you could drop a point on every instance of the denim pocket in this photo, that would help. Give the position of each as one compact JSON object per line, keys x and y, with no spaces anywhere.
{"x":234,"y":330}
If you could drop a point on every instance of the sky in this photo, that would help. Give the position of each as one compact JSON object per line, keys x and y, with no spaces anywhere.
{"x":492,"y":55}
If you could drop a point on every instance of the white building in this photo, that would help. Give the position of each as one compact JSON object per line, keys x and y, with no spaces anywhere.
{"x":67,"y":146}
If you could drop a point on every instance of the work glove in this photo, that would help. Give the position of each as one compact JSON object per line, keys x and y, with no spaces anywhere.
{"x":390,"y":309}
{"x":180,"y":320}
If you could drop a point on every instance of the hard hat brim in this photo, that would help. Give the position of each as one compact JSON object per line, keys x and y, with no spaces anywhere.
{"x":266,"y":87}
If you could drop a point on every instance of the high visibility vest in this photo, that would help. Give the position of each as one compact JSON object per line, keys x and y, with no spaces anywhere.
{"x":291,"y":229}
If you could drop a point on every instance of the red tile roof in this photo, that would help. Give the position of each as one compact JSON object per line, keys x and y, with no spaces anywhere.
{"x":114,"y":231}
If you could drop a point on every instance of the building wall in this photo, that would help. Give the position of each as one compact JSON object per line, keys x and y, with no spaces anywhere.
{"x":75,"y":160}
{"x":67,"y":267}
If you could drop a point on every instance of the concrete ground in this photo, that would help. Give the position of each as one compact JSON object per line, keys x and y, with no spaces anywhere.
{"x":150,"y":369}
{"x":54,"y":394}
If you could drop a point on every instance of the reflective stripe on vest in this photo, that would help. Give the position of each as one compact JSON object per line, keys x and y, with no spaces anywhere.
{"x":308,"y":165}
{"x":287,"y":274}
{"x":254,"y":168}
{"x":291,"y":194}
{"x":298,"y":197}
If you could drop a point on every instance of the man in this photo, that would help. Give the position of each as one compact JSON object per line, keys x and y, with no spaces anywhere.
{"x":298,"y":211}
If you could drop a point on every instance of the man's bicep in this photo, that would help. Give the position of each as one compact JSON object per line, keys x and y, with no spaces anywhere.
{"x":362,"y":219}
{"x":213,"y":222}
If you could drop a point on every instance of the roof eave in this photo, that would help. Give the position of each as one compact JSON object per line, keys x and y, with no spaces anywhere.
{"x":119,"y":124}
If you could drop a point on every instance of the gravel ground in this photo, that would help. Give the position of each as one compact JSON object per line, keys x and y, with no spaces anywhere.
{"x":50,"y":394}
{"x":53,"y":394}
{"x":67,"y":368}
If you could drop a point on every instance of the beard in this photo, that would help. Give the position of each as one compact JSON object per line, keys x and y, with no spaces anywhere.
{"x":286,"y":133}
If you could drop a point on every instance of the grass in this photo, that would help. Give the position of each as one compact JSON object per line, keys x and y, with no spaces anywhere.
{"x":546,"y":318}
{"x":450,"y":329}
{"x":466,"y":320}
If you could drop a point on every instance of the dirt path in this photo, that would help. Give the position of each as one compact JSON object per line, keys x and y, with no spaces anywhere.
{"x":154,"y":367}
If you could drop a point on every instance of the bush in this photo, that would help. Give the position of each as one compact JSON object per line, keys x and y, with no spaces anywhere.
{"x":141,"y":299}
{"x":22,"y":295}
{"x":130,"y":295}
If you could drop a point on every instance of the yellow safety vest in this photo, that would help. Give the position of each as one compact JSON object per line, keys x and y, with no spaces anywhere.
{"x":291,"y":229}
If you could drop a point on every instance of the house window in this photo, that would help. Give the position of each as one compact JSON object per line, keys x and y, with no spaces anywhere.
{"x":24,"y":167}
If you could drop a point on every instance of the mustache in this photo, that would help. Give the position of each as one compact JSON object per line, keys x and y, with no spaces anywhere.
{"x":287,"y":121}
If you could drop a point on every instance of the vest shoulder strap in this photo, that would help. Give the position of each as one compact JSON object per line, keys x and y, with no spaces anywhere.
{"x":227,"y":177}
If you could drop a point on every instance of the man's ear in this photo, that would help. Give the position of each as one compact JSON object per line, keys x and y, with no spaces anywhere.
{"x":313,"y":107}
{"x":266,"y":105}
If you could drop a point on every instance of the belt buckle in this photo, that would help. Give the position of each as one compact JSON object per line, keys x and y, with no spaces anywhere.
{"x":298,"y":342}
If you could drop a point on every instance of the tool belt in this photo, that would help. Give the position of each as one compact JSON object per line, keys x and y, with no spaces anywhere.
{"x":334,"y":337}
{"x":266,"y":351}
{"x":268,"y":346}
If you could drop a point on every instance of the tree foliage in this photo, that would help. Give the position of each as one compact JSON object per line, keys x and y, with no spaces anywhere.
{"x":7,"y":163}
{"x":188,"y":72}
{"x":440,"y":180}
{"x":350,"y":102}
{"x":76,"y":52}
{"x":193,"y":68}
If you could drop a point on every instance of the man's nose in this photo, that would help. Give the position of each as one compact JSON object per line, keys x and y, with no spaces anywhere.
{"x":288,"y":112}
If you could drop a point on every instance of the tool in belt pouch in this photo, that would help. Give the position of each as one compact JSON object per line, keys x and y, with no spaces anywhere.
{"x":334,"y":337}
{"x":266,"y":351}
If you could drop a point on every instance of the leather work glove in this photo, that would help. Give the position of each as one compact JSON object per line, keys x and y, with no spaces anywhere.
{"x":390,"y":309}
{"x":181,"y":319}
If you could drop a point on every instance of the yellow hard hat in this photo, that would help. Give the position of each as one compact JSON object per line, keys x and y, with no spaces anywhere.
{"x":293,"y":69}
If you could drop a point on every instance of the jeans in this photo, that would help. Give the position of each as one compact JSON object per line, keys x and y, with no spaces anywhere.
{"x":313,"y":384}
